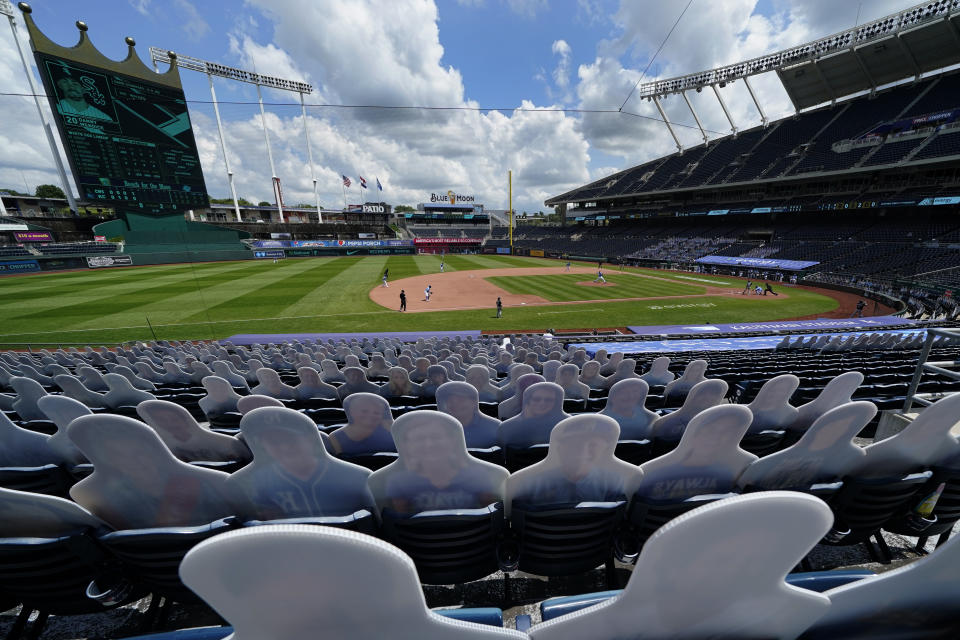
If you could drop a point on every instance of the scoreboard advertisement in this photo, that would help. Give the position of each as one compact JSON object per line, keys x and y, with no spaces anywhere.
{"x":128,"y":140}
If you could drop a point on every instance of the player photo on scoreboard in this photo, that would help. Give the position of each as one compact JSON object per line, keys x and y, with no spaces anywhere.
{"x":81,"y":93}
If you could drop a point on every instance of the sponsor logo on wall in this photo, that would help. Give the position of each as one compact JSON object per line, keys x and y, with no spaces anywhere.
{"x":98,"y":262}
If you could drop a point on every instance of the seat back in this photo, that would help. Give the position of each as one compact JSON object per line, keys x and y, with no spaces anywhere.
{"x":560,"y":541}
{"x":863,"y":505}
{"x":52,"y":574}
{"x":151,"y":557}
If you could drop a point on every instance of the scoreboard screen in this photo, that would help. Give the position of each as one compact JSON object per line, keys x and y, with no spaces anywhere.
{"x":129,"y":141}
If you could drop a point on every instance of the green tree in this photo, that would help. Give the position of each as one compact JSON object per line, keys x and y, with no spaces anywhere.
{"x":49,"y":191}
{"x":263,"y":203}
{"x":403,"y":208}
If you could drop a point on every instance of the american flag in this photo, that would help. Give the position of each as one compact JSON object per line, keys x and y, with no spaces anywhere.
{"x":363,"y":182}
{"x":346,"y":180}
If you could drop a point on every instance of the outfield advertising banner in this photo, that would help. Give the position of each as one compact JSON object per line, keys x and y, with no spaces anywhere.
{"x":332,"y":244}
{"x":98,"y":262}
{"x":19,"y":266}
{"x":759,"y":263}
{"x":307,"y":252}
{"x":536,"y":253}
{"x":420,"y":241}
{"x":32,"y":236}
{"x":270,"y":253}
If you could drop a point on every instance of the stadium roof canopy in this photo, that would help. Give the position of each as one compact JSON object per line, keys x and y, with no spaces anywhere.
{"x":906,"y":44}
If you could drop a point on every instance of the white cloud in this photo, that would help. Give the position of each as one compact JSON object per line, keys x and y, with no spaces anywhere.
{"x":193,"y":23}
{"x":561,"y":73}
{"x":142,"y":6}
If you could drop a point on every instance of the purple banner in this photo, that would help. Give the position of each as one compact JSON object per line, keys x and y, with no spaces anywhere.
{"x":32,"y":236}
{"x":759,"y":263}
{"x":777,"y":325}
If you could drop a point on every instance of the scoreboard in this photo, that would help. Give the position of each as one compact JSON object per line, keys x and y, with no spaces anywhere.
{"x":128,"y":140}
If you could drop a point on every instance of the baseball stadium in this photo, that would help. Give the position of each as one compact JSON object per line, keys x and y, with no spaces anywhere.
{"x":711,"y":395}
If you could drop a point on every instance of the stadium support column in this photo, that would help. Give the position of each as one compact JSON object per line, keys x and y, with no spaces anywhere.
{"x":7,"y":10}
{"x":763,"y":116}
{"x":266,"y":137}
{"x":510,"y":204}
{"x":726,"y":112}
{"x":223,"y":148}
{"x":663,"y":115}
{"x":695,"y":116}
{"x":313,"y":173}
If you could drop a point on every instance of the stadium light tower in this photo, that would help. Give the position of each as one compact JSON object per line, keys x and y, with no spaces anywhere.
{"x":7,"y":9}
{"x":232,"y":73}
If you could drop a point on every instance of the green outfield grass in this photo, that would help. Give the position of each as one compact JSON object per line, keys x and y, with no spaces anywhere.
{"x":215,"y":300}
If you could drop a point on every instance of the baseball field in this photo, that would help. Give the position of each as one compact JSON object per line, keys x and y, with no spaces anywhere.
{"x":344,"y":294}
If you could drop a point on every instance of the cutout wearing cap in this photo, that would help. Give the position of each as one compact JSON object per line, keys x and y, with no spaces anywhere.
{"x":837,"y":392}
{"x":122,"y":394}
{"x":918,"y":600}
{"x":771,"y":407}
{"x":477,"y":376}
{"x":185,"y":438}
{"x":693,"y":374}
{"x":542,"y":410}
{"x":271,"y":385}
{"x":715,"y":572}
{"x":312,"y":386}
{"x":513,"y":405}
{"x":292,"y":475}
{"x":137,"y":483}
{"x":625,"y":404}
{"x":220,"y":398}
{"x":355,"y":381}
{"x":436,"y":376}
{"x":580,"y":466}
{"x":28,"y":392}
{"x":924,"y":442}
{"x":62,"y":411}
{"x":707,"y":460}
{"x":590,"y":375}
{"x":825,"y":453}
{"x":706,"y":394}
{"x":25,"y":514}
{"x":285,"y":582}
{"x":73,"y":388}
{"x":433,"y":470}
{"x":461,"y":401}
{"x":246,"y":404}
{"x":24,"y":448}
{"x":568,"y":377}
{"x":368,"y":426}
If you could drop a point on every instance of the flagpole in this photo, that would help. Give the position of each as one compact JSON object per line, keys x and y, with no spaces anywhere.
{"x":344,"y":187}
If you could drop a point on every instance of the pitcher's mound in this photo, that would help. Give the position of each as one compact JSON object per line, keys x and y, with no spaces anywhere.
{"x":591,"y":283}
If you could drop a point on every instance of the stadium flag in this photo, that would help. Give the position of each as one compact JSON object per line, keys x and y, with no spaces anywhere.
{"x":363,"y":183}
{"x":379,"y":186}
{"x":346,"y":180}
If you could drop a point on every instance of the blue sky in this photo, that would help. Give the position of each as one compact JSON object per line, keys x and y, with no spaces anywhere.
{"x":502,"y":54}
